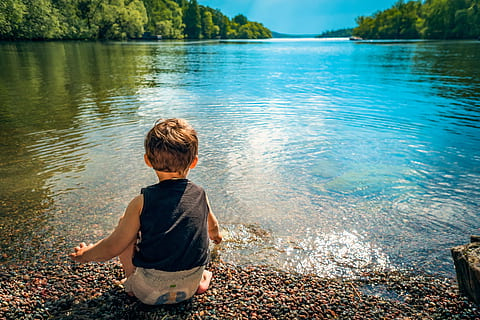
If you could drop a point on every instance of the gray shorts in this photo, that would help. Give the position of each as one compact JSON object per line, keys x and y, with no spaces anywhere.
{"x":161,"y":287}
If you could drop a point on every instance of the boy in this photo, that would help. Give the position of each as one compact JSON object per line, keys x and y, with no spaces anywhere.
{"x":162,"y":238}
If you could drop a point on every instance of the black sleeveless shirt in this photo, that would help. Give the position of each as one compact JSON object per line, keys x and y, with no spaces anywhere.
{"x":173,"y":227}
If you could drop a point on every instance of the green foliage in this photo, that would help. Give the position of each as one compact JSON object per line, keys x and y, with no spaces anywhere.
{"x":433,"y":19}
{"x":240,"y":19}
{"x":219,"y":20}
{"x":202,"y":22}
{"x":192,"y":20}
{"x":209,"y":29}
{"x":120,"y":19}
{"x":40,"y":20}
{"x":12,"y":16}
{"x":117,"y":20}
{"x":165,"y":18}
{"x":340,"y":33}
{"x":253,"y":30}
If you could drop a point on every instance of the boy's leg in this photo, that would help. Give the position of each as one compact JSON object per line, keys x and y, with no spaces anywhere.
{"x":126,"y":258}
{"x":205,"y":282}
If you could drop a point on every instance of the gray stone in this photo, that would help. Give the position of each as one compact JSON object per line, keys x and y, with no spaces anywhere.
{"x":467,"y":266}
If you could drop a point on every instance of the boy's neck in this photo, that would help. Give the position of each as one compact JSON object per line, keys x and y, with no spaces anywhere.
{"x":162,"y":175}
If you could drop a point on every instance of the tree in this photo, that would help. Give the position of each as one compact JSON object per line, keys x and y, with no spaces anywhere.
{"x":181,"y":3}
{"x":192,"y":20}
{"x":434,"y":19}
{"x":473,"y":19}
{"x":439,"y":18}
{"x":253,"y":30}
{"x":209,"y":29}
{"x":398,"y":22}
{"x":410,"y":13}
{"x":220,"y":20}
{"x":120,"y":19}
{"x":240,"y":19}
{"x":40,"y":21}
{"x":73,"y":19}
{"x":365,"y":28}
{"x":116,"y":21}
{"x":165,"y":18}
{"x":12,"y":16}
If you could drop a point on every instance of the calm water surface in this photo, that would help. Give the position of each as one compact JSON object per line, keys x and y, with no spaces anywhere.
{"x":330,"y":157}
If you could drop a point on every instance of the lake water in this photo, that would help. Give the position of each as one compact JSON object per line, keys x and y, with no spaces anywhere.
{"x":330,"y":157}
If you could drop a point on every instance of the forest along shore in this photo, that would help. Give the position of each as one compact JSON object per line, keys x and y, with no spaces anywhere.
{"x":65,"y":290}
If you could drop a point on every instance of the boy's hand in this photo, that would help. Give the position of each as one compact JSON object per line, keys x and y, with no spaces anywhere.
{"x":79,"y":251}
{"x":216,"y":237}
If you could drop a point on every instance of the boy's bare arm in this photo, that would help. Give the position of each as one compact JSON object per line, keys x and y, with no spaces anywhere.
{"x":213,"y":228}
{"x":123,"y":235}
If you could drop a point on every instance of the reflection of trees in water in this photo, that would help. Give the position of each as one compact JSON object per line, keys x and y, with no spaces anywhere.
{"x":453,"y":70}
{"x":49,"y":95}
{"x":57,"y":99}
{"x":161,"y":63}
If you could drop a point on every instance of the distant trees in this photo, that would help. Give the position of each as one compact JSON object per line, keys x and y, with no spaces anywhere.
{"x":164,"y":18}
{"x":188,"y":19}
{"x":18,"y":18}
{"x":433,"y":19}
{"x":192,"y":20}
{"x":450,"y":19}
{"x":340,"y":33}
{"x":71,"y":19}
{"x":120,"y":19}
{"x":398,"y":22}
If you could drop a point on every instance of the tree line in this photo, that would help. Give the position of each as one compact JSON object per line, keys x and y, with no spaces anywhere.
{"x":431,"y":19}
{"x":340,"y":33}
{"x":120,"y":19}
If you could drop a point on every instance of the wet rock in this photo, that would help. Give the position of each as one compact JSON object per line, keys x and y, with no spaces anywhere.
{"x":61,"y":289}
{"x":467,"y":266}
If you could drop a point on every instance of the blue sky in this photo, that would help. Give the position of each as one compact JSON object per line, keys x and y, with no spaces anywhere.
{"x":300,"y":16}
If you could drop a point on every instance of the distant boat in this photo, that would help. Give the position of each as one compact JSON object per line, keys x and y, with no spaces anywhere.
{"x":148,"y":36}
{"x":353,"y":38}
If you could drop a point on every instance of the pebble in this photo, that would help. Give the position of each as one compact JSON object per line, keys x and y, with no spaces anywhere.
{"x":236,"y":292}
{"x":44,"y":284}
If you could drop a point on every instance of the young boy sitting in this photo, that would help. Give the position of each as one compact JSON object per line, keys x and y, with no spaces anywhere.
{"x":162,"y":238}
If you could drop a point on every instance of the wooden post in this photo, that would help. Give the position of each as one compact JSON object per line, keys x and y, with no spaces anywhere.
{"x":467,"y":266}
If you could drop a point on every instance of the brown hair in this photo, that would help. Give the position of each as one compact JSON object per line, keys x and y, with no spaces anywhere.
{"x":171,"y":145}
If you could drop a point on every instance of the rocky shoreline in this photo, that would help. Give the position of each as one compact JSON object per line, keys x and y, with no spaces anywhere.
{"x":64,"y":290}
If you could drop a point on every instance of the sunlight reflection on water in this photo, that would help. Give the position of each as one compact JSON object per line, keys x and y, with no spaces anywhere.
{"x":341,"y":254}
{"x":329,"y":157}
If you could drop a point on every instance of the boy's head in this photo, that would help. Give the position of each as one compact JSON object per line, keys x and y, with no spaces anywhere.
{"x":171,"y":145}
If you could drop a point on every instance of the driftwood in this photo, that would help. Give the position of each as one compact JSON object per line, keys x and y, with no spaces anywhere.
{"x":467,"y":266}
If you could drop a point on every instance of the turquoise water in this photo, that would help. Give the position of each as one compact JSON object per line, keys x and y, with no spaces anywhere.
{"x":330,"y":157}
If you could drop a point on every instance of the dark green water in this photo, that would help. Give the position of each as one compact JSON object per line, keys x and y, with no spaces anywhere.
{"x":318,"y":156}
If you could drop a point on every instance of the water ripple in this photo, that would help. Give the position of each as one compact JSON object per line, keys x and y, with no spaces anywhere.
{"x":326,"y":157}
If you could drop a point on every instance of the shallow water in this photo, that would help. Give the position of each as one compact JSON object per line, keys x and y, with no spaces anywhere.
{"x":330,"y":157}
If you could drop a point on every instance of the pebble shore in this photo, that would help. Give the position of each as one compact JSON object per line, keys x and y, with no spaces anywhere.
{"x":65,"y":290}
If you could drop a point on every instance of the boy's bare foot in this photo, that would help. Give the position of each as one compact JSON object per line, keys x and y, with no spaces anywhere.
{"x":205,"y":282}
{"x":121,"y":282}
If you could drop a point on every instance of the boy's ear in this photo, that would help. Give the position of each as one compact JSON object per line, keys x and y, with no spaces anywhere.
{"x":147,"y":161}
{"x":194,"y":162}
